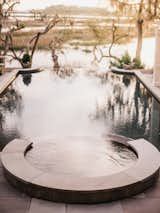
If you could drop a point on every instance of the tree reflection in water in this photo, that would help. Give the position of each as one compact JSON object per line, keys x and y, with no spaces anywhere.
{"x":123,"y":106}
{"x":63,"y":71}
{"x":127,"y":106}
{"x":27,"y":78}
{"x":10,"y":102}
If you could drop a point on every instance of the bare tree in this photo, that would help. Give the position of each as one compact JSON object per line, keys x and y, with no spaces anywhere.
{"x":56,"y":46}
{"x":7,"y":29}
{"x":116,"y":37}
{"x":32,"y":44}
{"x":143,"y":12}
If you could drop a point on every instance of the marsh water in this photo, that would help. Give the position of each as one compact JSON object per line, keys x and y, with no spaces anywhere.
{"x":69,"y":115}
{"x":82,"y":56}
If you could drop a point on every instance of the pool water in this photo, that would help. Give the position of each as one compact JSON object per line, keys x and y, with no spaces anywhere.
{"x":80,"y":156}
{"x":77,"y":112}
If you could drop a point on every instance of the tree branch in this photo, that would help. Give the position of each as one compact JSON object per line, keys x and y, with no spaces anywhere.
{"x":36,"y":38}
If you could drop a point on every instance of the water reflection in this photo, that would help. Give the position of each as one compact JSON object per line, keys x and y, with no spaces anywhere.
{"x":79,"y":103}
{"x":129,"y":109}
{"x":74,"y":159}
{"x":10,"y":104}
{"x":63,"y":72}
{"x":155,"y":123}
{"x":124,"y":153}
{"x":27,"y":78}
{"x":126,"y":80}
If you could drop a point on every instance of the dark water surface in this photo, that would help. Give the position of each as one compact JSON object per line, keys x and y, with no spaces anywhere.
{"x":42,"y":107}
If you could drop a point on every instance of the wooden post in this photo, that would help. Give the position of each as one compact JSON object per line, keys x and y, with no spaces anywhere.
{"x":156,"y":73}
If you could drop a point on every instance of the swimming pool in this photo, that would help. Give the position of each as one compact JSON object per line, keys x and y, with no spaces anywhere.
{"x":44,"y":105}
{"x":69,"y":117}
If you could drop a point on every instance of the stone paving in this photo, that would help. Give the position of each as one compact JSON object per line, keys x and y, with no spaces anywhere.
{"x":13,"y":201}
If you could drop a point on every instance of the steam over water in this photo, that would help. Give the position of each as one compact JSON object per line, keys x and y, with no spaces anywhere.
{"x":69,"y":115}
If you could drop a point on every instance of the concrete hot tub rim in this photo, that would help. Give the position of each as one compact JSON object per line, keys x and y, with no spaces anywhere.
{"x":36,"y":183}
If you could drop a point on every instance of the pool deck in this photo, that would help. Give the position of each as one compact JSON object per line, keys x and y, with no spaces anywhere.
{"x":12,"y":201}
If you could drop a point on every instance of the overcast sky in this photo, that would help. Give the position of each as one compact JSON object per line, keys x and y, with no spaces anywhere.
{"x":40,"y":4}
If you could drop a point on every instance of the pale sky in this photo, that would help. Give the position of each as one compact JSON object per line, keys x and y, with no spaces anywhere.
{"x":40,"y":4}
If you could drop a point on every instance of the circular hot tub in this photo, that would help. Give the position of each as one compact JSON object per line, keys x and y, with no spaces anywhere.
{"x":81,"y":156}
{"x":81,"y":170}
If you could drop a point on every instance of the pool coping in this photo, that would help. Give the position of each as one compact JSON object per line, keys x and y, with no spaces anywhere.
{"x":143,"y":78}
{"x":36,"y":183}
{"x":122,"y":71}
{"x":7,"y":78}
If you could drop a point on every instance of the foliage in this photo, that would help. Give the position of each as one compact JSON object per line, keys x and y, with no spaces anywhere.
{"x":117,"y":63}
{"x":26,"y":58}
{"x":126,"y":62}
{"x":137,"y":64}
{"x":126,"y":58}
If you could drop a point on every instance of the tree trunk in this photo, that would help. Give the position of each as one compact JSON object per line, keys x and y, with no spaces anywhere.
{"x":1,"y":16}
{"x":139,"y":38}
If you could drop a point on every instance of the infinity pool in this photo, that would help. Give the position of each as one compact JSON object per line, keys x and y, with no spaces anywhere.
{"x":69,"y":117}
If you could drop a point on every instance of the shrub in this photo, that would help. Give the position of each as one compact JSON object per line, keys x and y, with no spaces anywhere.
{"x":117,"y":64}
{"x":137,"y":64}
{"x":26,"y":59}
{"x":126,"y":58}
{"x":125,"y":62}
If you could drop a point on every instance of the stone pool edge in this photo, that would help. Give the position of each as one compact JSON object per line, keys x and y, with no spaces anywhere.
{"x":143,"y":78}
{"x":7,"y":78}
{"x":142,"y":175}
